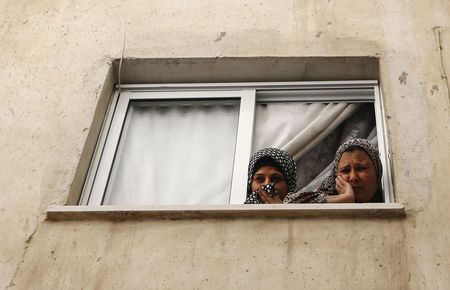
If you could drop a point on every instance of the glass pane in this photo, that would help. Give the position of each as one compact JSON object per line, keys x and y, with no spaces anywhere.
{"x":175,"y":152}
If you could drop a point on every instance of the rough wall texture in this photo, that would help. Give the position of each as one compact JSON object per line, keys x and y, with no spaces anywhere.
{"x":54,"y":58}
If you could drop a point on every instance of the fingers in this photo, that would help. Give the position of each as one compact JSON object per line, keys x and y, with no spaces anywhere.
{"x":277,"y":199}
{"x":340,"y":180}
{"x":266,"y":198}
{"x":341,"y":185}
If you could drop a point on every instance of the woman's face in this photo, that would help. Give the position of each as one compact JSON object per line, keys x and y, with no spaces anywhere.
{"x":267,"y":174}
{"x":357,"y":169}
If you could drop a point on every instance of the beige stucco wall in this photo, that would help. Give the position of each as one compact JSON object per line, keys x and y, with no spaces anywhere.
{"x":54,"y":58}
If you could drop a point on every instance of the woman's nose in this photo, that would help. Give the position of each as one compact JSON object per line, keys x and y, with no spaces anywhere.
{"x":353,"y":176}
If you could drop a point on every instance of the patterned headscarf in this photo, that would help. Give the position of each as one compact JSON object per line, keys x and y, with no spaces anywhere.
{"x":329,"y":184}
{"x":281,"y":160}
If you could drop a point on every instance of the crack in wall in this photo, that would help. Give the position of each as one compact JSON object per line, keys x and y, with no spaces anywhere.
{"x":438,"y":31}
{"x":22,"y":260}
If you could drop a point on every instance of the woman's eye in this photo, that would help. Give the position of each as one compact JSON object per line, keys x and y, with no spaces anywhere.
{"x":276,"y":179}
{"x":258,"y":179}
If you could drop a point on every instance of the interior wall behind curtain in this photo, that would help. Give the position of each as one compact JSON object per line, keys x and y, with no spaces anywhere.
{"x":311,"y":133}
{"x":178,"y":152}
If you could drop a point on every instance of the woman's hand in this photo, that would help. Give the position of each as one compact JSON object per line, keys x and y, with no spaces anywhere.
{"x":345,"y":190}
{"x":266,"y":198}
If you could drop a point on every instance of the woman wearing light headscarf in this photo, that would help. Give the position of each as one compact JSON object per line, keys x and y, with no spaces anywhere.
{"x":355,"y":177}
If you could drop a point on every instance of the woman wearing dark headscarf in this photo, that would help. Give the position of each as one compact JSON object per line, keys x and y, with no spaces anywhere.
{"x":355,"y":177}
{"x":271,"y":176}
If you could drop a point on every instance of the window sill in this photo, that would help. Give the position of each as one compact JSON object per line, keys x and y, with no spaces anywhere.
{"x":363,"y":210}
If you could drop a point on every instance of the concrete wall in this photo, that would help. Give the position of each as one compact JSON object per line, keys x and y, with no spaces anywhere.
{"x":54,"y":58}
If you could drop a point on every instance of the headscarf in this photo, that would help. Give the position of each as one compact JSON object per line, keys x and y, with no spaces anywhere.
{"x":328,"y":186}
{"x":276,"y":158}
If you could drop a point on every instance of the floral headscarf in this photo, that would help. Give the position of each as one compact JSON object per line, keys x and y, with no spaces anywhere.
{"x":328,"y":186}
{"x":279,"y":159}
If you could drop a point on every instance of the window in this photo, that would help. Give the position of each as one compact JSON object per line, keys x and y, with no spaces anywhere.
{"x":190,"y":143}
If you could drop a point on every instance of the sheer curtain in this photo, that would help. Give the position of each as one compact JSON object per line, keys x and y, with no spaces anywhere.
{"x":181,"y":165}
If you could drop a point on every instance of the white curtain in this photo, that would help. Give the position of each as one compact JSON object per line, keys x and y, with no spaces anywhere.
{"x":181,"y":164}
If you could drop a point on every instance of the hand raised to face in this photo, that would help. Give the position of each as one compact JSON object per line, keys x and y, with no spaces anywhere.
{"x":268,"y":197}
{"x":344,"y":188}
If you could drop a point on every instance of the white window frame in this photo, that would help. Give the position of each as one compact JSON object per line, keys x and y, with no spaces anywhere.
{"x":248,"y":94}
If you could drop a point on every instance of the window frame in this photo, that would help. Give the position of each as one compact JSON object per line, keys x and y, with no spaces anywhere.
{"x":95,"y":187}
{"x":249,"y":94}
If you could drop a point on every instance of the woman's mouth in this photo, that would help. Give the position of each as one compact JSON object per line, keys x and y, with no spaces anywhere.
{"x":357,"y":188}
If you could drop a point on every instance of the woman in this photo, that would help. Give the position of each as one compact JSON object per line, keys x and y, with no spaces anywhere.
{"x":355,"y":177}
{"x":271,"y":176}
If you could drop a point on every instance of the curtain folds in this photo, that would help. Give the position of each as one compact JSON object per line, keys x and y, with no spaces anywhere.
{"x":319,"y":128}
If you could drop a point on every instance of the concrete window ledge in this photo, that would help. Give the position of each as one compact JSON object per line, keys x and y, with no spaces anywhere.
{"x":110,"y":212}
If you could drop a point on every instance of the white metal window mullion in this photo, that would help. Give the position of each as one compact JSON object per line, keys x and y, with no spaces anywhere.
{"x":179,"y":95}
{"x":97,"y":151}
{"x":109,"y":151}
{"x":252,"y":85}
{"x":317,"y":95}
{"x":243,"y":147}
{"x":383,"y":147}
